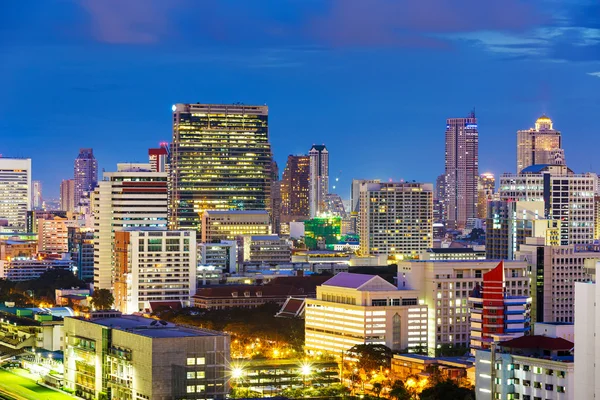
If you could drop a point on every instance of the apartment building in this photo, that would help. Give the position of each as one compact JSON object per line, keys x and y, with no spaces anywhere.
{"x":228,"y":225}
{"x":53,"y":235}
{"x":266,"y":249}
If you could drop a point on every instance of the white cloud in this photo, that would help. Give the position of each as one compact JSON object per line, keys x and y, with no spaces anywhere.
{"x":596,"y":74}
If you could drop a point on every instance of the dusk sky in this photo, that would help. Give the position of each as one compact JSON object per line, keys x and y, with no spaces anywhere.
{"x":372,"y":79}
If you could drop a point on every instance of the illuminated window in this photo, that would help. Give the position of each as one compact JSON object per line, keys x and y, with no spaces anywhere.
{"x":190,"y":375}
{"x":200,"y":374}
{"x":191,"y":389}
{"x":191,"y":361}
{"x":200,"y":361}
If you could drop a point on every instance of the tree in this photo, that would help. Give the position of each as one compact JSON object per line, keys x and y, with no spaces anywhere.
{"x":102,"y":299}
{"x":371,"y":357}
{"x":377,"y":388}
{"x":447,"y":390}
{"x":399,"y":391}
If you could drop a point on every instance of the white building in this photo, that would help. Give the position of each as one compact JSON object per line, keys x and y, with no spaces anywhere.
{"x":266,"y":249}
{"x":445,"y":287}
{"x":131,"y":197}
{"x":563,"y":330}
{"x":527,"y":368}
{"x":587,"y":341}
{"x":53,"y":235}
{"x":554,"y":271}
{"x":153,"y":267}
{"x":221,"y":255}
{"x":15,"y":193}
{"x":353,"y":309}
{"x":395,"y":219}
{"x":28,"y":268}
{"x":318,"y":179}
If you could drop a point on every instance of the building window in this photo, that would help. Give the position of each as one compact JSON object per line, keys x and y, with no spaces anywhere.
{"x":191,"y":389}
{"x":560,"y":389}
{"x":537,"y":385}
{"x":191,"y":361}
{"x":561,"y":374}
{"x":200,"y":374}
{"x":396,"y":331}
{"x":200,"y":361}
{"x":549,"y":386}
{"x":191,"y":375}
{"x":200,"y":388}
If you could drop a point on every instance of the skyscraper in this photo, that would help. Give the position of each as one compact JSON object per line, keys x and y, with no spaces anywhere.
{"x":85,"y":174}
{"x":439,"y":199}
{"x":220,"y":160}
{"x":67,"y":195}
{"x":462,"y":169}
{"x":158,"y":158}
{"x":539,"y":145}
{"x":319,"y":178}
{"x":132,"y":197}
{"x":36,"y":195}
{"x":295,"y":189}
{"x":15,"y":193}
{"x":485,"y":192}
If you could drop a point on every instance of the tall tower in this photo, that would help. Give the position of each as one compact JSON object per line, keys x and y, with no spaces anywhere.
{"x":67,"y":195}
{"x":36,"y":195}
{"x":85,"y":174}
{"x":15,"y":193}
{"x":485,"y":193}
{"x":158,"y":158}
{"x":220,"y":160}
{"x":462,"y":169}
{"x":319,"y":178}
{"x":295,"y":188}
{"x":539,"y":145}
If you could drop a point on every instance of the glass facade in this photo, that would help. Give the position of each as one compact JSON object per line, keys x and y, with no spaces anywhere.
{"x":324,"y":230}
{"x":220,"y":160}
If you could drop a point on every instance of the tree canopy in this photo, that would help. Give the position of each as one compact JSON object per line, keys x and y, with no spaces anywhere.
{"x":102,"y":299}
{"x":447,"y":390}
{"x":371,"y":356}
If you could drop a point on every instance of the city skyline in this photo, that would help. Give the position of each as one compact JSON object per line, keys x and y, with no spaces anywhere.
{"x":351,"y":85}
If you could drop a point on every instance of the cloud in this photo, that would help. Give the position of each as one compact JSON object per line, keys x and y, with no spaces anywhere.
{"x":596,"y":74}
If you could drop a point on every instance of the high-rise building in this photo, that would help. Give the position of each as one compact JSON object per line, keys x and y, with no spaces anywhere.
{"x":15,"y":193}
{"x":355,"y":192}
{"x":462,"y":169}
{"x":134,"y":196}
{"x":172,"y":280}
{"x":81,"y":247}
{"x":539,"y":145}
{"x":439,"y":199}
{"x":445,"y":287}
{"x":567,"y":197}
{"x":67,"y":195}
{"x":485,"y":193}
{"x":354,"y":309}
{"x":220,"y":160}
{"x":228,"y":225}
{"x":85,"y":174}
{"x":318,"y":179}
{"x":276,"y":206}
{"x":554,"y":271}
{"x":114,"y":356}
{"x":36,"y":195}
{"x":158,"y":159}
{"x":495,"y":316}
{"x":295,"y":189}
{"x":587,"y":340}
{"x":53,"y":235}
{"x":395,"y":219}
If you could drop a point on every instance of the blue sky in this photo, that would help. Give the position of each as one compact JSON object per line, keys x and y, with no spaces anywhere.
{"x":373,"y":80}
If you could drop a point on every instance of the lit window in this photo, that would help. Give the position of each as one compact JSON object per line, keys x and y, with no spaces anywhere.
{"x":191,"y":389}
{"x":191,"y":361}
{"x":191,"y":375}
{"x":200,"y":388}
{"x":200,"y":361}
{"x":200,"y":374}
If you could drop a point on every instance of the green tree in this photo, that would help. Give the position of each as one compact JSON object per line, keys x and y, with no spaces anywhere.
{"x":102,"y":299}
{"x":399,"y":391}
{"x":377,"y":388}
{"x":371,"y":357}
{"x":447,"y":390}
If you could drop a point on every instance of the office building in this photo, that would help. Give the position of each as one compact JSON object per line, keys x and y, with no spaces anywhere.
{"x":452,"y":253}
{"x":439,"y":200}
{"x":322,"y":231}
{"x":220,"y":160}
{"x":334,"y":205}
{"x":509,"y":223}
{"x":67,"y":195}
{"x":81,"y":247}
{"x":496,"y":316}
{"x":318,"y":178}
{"x":37,"y":201}
{"x":587,"y":340}
{"x":567,"y":197}
{"x":53,"y":235}
{"x":131,"y":197}
{"x":266,"y":249}
{"x":527,"y":368}
{"x":15,"y":193}
{"x":295,"y":189}
{"x":29,"y":268}
{"x":353,"y":309}
{"x":355,"y":193}
{"x":228,"y":225}
{"x":462,"y":169}
{"x":275,"y":207}
{"x":445,"y":287}
{"x":221,"y":255}
{"x":116,"y":356}
{"x":486,"y":188}
{"x":395,"y":219}
{"x":158,"y":158}
{"x":85,"y":175}
{"x":11,"y":248}
{"x":539,"y":145}
{"x":554,"y":271}
{"x":152,"y":267}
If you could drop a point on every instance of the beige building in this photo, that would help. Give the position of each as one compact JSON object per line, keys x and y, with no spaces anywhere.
{"x":266,"y":249}
{"x":395,"y":219}
{"x":67,"y":195}
{"x":131,"y":357}
{"x":228,"y":225}
{"x":445,"y":287}
{"x":353,"y":309}
{"x":539,"y":145}
{"x":53,"y":235}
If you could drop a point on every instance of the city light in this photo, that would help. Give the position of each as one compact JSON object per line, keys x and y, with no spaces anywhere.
{"x":237,"y":372}
{"x":306,"y":369}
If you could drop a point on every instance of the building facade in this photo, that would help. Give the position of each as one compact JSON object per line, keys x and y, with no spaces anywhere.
{"x":158,"y":159}
{"x":295,"y":189}
{"x":15,"y":193}
{"x":319,"y":178}
{"x":116,"y":356}
{"x":445,"y":287}
{"x":29,"y":268}
{"x":395,"y":219}
{"x":322,"y":231}
{"x":220,"y":160}
{"x":153,"y":266}
{"x":228,"y":225}
{"x":81,"y":247}
{"x":266,"y":249}
{"x":67,"y":195}
{"x":353,"y":309}
{"x":85,"y":174}
{"x":587,"y":340}
{"x":131,"y":197}
{"x":486,"y":188}
{"x":37,"y":202}
{"x":462,"y":169}
{"x":539,"y":145}
{"x":221,"y":255}
{"x":53,"y":235}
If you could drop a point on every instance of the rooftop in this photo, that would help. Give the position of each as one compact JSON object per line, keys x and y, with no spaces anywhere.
{"x":150,"y":327}
{"x":538,"y":342}
{"x":357,"y":281}
{"x":225,"y":212}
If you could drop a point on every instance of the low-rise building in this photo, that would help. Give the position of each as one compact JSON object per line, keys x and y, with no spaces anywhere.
{"x":13,"y":248}
{"x":451,"y":253}
{"x":353,"y":309}
{"x":116,"y":356}
{"x":25,"y":268}
{"x":266,"y":249}
{"x":221,"y":255}
{"x":404,"y":366}
{"x":228,"y":225}
{"x":24,"y":329}
{"x":526,"y":368}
